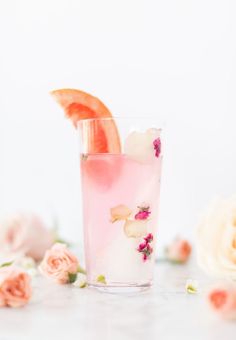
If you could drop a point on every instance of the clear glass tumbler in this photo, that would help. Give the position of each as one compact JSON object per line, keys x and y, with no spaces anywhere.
{"x":120,"y":170}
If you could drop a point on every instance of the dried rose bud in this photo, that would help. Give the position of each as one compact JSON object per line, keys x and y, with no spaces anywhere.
{"x":142,"y":215}
{"x":157,"y":146}
{"x":149,"y":238}
{"x":145,"y":257}
{"x":142,"y":246}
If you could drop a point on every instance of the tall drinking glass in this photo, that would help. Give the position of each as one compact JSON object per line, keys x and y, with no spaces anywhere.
{"x":120,"y":194}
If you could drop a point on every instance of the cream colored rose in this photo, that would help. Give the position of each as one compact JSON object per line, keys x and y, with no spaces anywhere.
{"x":216,"y":239}
{"x":59,"y":263}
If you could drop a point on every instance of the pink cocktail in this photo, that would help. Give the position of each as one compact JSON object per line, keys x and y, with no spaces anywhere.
{"x":120,"y":195}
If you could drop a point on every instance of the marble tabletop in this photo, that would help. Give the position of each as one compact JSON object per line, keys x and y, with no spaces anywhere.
{"x":165,"y":312}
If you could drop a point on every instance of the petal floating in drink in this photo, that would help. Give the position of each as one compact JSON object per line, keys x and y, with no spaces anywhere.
{"x":102,"y":135}
{"x":120,"y":212}
{"x":135,"y":228}
{"x":139,"y":145}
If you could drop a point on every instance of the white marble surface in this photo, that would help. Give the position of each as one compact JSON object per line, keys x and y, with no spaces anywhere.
{"x":165,"y":312}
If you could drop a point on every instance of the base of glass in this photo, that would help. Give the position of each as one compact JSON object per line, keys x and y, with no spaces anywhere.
{"x":121,"y":288}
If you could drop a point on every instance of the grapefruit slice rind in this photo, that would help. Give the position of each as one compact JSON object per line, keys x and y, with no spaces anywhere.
{"x":99,"y":135}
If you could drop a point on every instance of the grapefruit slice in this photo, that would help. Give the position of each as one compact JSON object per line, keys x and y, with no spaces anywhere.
{"x":99,"y":135}
{"x":101,"y":172}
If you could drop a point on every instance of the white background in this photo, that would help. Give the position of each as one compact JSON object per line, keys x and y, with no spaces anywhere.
{"x":174,"y":58}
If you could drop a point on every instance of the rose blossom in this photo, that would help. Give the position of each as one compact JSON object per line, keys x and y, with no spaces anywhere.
{"x":222,"y":299}
{"x":178,"y":251}
{"x":25,"y":234}
{"x":59,"y":263}
{"x":216,"y":239}
{"x":15,"y":288}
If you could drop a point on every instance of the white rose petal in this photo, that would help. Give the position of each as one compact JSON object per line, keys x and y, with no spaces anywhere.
{"x":216,"y":239}
{"x":135,"y":228}
{"x":120,"y":212}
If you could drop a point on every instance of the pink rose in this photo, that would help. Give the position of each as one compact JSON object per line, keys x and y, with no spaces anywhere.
{"x":59,"y":263}
{"x":178,"y":251}
{"x":222,"y":299}
{"x":15,"y":287}
{"x":26,"y":234}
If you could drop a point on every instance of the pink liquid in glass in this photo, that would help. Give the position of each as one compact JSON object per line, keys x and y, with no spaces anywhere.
{"x":110,"y":180}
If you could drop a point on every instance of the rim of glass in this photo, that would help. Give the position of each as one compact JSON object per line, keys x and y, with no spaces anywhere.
{"x":116,"y":117}
{"x":159,"y":121}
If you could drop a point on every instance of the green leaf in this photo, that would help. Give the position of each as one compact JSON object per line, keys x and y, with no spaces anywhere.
{"x":176,"y":262}
{"x":101,"y":279}
{"x":60,"y":240}
{"x":72,"y":277}
{"x":6,"y":264}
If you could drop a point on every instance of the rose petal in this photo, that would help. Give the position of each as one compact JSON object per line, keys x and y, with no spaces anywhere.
{"x":136,"y":228}
{"x":120,"y":212}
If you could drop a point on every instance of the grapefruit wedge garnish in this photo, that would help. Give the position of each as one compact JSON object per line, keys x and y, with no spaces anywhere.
{"x":99,"y":135}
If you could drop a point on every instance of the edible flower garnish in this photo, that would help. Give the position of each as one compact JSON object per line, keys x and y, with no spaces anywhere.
{"x":143,"y":213}
{"x":144,"y":248}
{"x":157,"y":146}
{"x":120,"y":212}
